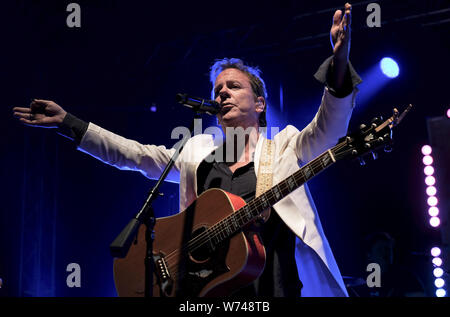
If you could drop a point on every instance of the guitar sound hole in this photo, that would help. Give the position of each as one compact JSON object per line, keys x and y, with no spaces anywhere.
{"x":201,"y":248}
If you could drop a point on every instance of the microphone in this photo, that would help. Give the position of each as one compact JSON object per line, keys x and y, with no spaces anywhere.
{"x":199,"y":104}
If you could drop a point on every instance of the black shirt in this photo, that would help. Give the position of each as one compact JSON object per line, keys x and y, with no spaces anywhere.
{"x":280,"y":277}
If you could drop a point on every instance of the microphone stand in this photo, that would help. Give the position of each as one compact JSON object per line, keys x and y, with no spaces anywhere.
{"x":121,"y":244}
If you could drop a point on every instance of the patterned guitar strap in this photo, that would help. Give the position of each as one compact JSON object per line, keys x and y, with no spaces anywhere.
{"x":265,"y":173}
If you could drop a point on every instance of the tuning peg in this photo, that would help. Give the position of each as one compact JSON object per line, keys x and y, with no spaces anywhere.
{"x":362,"y":126}
{"x":361,"y":161}
{"x":367,"y":145}
{"x":374,"y":155}
{"x":395,"y":114}
{"x":377,"y":120}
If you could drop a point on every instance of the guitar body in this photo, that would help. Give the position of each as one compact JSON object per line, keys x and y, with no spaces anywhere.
{"x":203,"y":270}
{"x":209,"y":249}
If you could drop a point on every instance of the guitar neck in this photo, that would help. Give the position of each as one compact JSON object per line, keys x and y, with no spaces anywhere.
{"x":236,"y":221}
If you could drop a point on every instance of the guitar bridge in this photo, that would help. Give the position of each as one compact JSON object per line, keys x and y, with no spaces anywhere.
{"x":162,"y":271}
{"x":161,"y":266}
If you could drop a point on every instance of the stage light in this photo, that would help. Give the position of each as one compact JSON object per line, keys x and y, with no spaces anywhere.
{"x":439,"y":282}
{"x":433,"y":211}
{"x":426,"y":150}
{"x":435,"y":251}
{"x":389,"y":67}
{"x":435,"y":222}
{"x":428,"y":170}
{"x":430,"y":180}
{"x":437,"y":261}
{"x":448,"y":113}
{"x":431,"y":191}
{"x":440,"y":292}
{"x":427,"y":160}
{"x":432,"y":201}
{"x":438,"y":272}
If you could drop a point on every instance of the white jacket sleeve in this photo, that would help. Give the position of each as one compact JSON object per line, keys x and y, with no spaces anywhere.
{"x":127,"y":154}
{"x":329,"y":124}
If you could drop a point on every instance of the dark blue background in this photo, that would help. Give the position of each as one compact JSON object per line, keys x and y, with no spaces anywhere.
{"x":61,"y":206}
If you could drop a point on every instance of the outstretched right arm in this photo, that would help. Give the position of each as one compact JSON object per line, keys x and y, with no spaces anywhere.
{"x":127,"y":154}
{"x":104,"y":145}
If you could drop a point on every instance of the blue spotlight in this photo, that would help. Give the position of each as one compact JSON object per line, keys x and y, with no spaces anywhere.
{"x":389,"y":67}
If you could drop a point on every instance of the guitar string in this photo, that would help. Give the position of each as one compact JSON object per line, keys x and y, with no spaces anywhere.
{"x":199,"y":242}
{"x":174,"y":269}
{"x":213,"y":230}
{"x":175,"y":273}
{"x":205,"y":236}
{"x":219,"y":227}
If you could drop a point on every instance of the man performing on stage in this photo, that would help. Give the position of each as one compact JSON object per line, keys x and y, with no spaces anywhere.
{"x":299,"y":261}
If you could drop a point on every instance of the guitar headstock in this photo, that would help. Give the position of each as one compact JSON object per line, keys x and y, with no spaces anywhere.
{"x":370,"y":138}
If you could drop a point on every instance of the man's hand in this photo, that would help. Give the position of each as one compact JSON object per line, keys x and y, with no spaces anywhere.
{"x":340,"y":35}
{"x":41,"y":113}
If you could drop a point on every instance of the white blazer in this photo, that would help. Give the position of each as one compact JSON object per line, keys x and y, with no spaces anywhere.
{"x":316,"y":265}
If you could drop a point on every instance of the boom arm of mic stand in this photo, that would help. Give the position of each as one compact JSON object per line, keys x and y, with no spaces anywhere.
{"x":121,"y":244}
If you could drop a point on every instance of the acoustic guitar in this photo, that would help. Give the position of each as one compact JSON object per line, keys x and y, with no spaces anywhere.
{"x":207,"y":249}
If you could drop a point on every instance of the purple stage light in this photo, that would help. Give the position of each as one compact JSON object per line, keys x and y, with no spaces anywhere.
{"x":435,"y":222}
{"x":431,"y":191}
{"x":438,"y":272}
{"x":430,"y":180}
{"x":433,"y":211}
{"x":437,"y":261}
{"x":428,"y":170}
{"x":439,"y":282}
{"x":432,"y":201}
{"x":435,"y":251}
{"x":427,"y":160}
{"x":440,"y":292}
{"x":426,"y":150}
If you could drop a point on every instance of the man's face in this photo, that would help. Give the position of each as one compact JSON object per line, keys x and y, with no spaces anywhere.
{"x":240,"y":107}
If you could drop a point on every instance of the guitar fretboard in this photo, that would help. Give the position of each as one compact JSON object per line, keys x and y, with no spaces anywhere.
{"x":236,"y":221}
